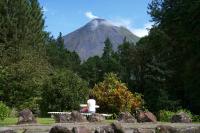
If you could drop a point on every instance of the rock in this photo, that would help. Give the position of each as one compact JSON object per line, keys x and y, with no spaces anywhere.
{"x":7,"y":131}
{"x":96,"y":118}
{"x":113,"y":128}
{"x":77,"y":117}
{"x":169,"y":129}
{"x":143,"y":116}
{"x":138,"y":130}
{"x":105,"y":129}
{"x":117,"y":127}
{"x":26,"y":117}
{"x":126,"y":117}
{"x":62,"y":118}
{"x":189,"y":130}
{"x":81,"y":130}
{"x":165,"y":129}
{"x":59,"y":129}
{"x":181,"y":118}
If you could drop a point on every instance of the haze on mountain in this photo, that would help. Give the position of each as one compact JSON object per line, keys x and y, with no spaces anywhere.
{"x":88,"y":40}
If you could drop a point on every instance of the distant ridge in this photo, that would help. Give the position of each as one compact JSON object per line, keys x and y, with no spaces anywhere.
{"x":88,"y":40}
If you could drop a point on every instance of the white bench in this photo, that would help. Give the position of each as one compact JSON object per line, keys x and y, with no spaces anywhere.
{"x":59,"y":113}
{"x":85,"y":114}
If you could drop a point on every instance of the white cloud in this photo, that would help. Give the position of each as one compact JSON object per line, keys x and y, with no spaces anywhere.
{"x":90,"y":15}
{"x":125,"y":22}
{"x":122,"y":22}
{"x":143,"y":31}
{"x":44,"y":9}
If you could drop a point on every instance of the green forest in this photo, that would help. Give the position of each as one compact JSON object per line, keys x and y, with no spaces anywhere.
{"x":162,"y":70}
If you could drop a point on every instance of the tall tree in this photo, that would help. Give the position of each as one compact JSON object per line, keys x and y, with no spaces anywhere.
{"x":109,"y":58}
{"x":179,"y":20}
{"x":59,"y":57}
{"x":23,"y":53}
{"x":107,"y":50}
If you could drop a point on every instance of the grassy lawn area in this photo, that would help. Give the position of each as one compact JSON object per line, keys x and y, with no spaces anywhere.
{"x":13,"y":121}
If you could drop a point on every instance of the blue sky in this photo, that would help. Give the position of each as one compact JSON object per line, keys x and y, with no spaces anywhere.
{"x":68,"y":15}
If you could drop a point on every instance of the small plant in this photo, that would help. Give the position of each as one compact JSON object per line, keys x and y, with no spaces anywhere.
{"x":4,"y":111}
{"x":13,"y":113}
{"x":185,"y":111}
{"x":196,"y":118}
{"x":165,"y":115}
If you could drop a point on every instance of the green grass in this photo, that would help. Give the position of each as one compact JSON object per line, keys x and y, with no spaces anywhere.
{"x":110,"y":121}
{"x":13,"y":121}
{"x":46,"y":121}
{"x":8,"y":121}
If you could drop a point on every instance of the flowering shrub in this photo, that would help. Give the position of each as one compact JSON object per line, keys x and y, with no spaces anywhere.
{"x":114,"y":97}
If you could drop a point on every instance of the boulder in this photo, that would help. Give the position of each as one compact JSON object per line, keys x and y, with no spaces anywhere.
{"x":77,"y":117}
{"x":96,"y":118}
{"x":81,"y":130}
{"x":126,"y":117}
{"x":117,"y":127}
{"x":181,"y":118}
{"x":138,"y":130}
{"x":146,"y":116}
{"x":59,"y":129}
{"x":105,"y":129}
{"x":62,"y":118}
{"x":113,"y":128}
{"x":26,"y":117}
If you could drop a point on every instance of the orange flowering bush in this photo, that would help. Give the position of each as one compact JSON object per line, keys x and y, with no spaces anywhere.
{"x":113,"y":96}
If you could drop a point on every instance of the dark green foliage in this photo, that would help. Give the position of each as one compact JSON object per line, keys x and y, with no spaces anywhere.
{"x":165,"y":115}
{"x":22,"y":27}
{"x":59,"y":57}
{"x":95,"y":67}
{"x":28,"y":54}
{"x":154,"y":60}
{"x":22,"y":82}
{"x":23,"y":62}
{"x":107,"y":51}
{"x":92,"y":70}
{"x":109,"y":58}
{"x":63,"y":91}
{"x":178,"y":20}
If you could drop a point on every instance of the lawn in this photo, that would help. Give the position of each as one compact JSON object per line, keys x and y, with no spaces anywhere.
{"x":13,"y":121}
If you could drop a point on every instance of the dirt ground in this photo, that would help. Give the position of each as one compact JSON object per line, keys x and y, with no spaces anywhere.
{"x":127,"y":126}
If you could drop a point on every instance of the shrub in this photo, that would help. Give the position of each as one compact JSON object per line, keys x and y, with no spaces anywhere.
{"x":64,"y":91}
{"x":32,"y":104}
{"x":14,"y":113}
{"x":165,"y":115}
{"x":114,"y":97}
{"x":196,"y":118}
{"x":185,"y":111}
{"x":4,"y":111}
